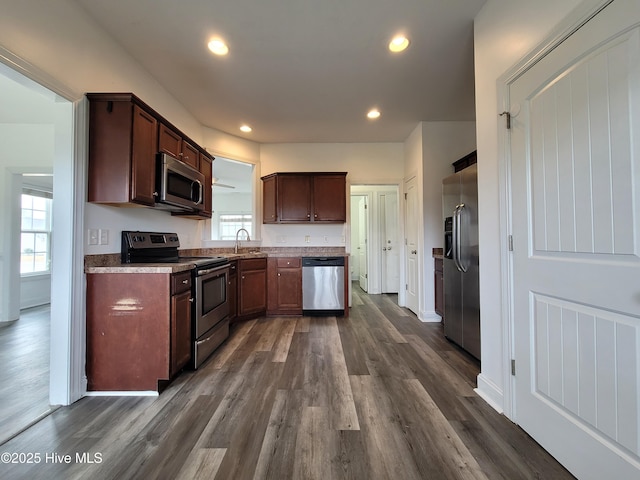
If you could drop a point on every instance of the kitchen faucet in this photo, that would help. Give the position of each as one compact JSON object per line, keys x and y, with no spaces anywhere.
{"x":237,"y":241}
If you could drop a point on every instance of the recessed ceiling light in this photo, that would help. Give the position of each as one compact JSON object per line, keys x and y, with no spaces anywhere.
{"x":398,"y":43}
{"x":373,"y":113}
{"x":218,"y":47}
{"x":245,"y":128}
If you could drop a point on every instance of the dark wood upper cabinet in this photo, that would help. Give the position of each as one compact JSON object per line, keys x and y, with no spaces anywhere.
{"x":294,"y":198}
{"x":269,"y":200}
{"x":206,"y":168}
{"x":329,"y":198}
{"x":123,"y":139}
{"x":304,"y":197}
{"x":125,"y":136}
{"x":174,"y":144}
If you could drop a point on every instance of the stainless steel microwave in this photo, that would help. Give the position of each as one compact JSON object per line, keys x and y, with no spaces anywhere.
{"x":179,"y":187}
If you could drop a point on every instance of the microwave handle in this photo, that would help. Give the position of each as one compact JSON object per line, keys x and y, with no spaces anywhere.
{"x":200,"y":191}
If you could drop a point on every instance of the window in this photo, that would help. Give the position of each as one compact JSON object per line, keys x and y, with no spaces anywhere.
{"x":230,"y":223}
{"x":35,"y":241}
{"x":233,"y":199}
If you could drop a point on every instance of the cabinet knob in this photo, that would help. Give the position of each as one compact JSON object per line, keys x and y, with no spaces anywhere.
{"x":278,"y":274}
{"x":191,"y":300}
{"x":184,"y":282}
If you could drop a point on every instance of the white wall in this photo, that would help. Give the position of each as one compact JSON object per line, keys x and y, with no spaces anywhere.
{"x":443,"y":143}
{"x":505,"y":31}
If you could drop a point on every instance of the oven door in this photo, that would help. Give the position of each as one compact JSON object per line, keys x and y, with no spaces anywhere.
{"x":211,"y":300}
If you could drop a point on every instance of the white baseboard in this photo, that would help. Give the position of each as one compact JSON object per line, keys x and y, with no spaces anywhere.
{"x":490,"y":393}
{"x":144,"y":393}
{"x":430,"y":317}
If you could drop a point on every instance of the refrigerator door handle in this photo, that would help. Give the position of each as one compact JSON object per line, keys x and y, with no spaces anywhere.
{"x":454,"y":239}
{"x":458,"y":238}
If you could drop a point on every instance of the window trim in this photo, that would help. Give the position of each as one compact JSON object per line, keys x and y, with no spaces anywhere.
{"x":33,"y":192}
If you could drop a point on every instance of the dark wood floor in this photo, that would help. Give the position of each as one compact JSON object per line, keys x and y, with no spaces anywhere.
{"x":377,"y":395}
{"x":24,"y":371}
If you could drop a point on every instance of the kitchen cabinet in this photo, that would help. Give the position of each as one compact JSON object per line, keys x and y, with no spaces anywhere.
{"x":269,"y":201}
{"x":438,"y":286}
{"x":284,"y":288}
{"x":181,"y":319}
{"x":318,"y":197}
{"x":206,"y":168}
{"x":232,"y":292}
{"x":122,"y":151}
{"x":252,"y":287}
{"x":125,"y":136}
{"x":130,"y":331}
{"x":174,"y":144}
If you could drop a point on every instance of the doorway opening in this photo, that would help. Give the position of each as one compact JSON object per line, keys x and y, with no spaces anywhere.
{"x":375,"y":238}
{"x":36,"y":131}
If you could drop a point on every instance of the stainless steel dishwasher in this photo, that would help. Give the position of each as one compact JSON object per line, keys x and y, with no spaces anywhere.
{"x":323,"y":285}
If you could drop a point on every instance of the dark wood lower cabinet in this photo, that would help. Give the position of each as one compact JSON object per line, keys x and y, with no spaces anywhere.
{"x":232,"y":292}
{"x":438,"y":286}
{"x":138,"y":329}
{"x":284,"y":289}
{"x":180,"y":321}
{"x":252,"y":288}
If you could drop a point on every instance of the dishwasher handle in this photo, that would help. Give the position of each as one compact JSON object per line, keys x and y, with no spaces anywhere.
{"x":323,"y":261}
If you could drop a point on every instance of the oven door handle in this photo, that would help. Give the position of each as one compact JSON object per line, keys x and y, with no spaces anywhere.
{"x":208,"y":271}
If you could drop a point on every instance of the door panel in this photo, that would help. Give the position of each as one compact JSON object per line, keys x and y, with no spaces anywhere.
{"x":575,"y":153}
{"x":412,"y":255}
{"x":363,"y":243}
{"x":389,"y":236}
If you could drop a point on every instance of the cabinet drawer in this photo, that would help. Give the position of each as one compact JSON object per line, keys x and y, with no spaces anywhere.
{"x":180,"y":282}
{"x":247,"y":264}
{"x":289,"y":262}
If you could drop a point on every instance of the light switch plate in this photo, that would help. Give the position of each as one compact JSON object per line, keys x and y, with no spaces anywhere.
{"x":92,"y":236}
{"x":104,"y":236}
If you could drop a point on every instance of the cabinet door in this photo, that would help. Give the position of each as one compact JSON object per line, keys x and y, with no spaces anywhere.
{"x":143,"y":157}
{"x":253,"y":292}
{"x":169,"y":141}
{"x":180,"y":331}
{"x":232,"y":292}
{"x":190,"y":155}
{"x":329,"y":198}
{"x":206,"y":168}
{"x":294,"y":198}
{"x":290,"y":290}
{"x":269,"y":197}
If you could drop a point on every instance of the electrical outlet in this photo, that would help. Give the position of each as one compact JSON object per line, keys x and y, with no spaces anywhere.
{"x":92,"y":236}
{"x":307,"y":239}
{"x":326,"y":239}
{"x":104,"y":236}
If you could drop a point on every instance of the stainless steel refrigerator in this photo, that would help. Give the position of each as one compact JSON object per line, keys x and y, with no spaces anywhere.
{"x":461,"y":275}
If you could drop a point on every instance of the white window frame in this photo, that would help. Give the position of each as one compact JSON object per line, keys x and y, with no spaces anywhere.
{"x":47,"y":230}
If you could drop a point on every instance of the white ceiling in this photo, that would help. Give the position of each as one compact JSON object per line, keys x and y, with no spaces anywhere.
{"x":304,"y":70}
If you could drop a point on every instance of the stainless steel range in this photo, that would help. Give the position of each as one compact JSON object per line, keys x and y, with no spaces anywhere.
{"x":210,"y":300}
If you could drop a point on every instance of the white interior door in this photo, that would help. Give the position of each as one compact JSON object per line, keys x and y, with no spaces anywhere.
{"x":363,"y":227}
{"x":575,"y":166}
{"x":412,"y":257}
{"x":389,"y":238}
